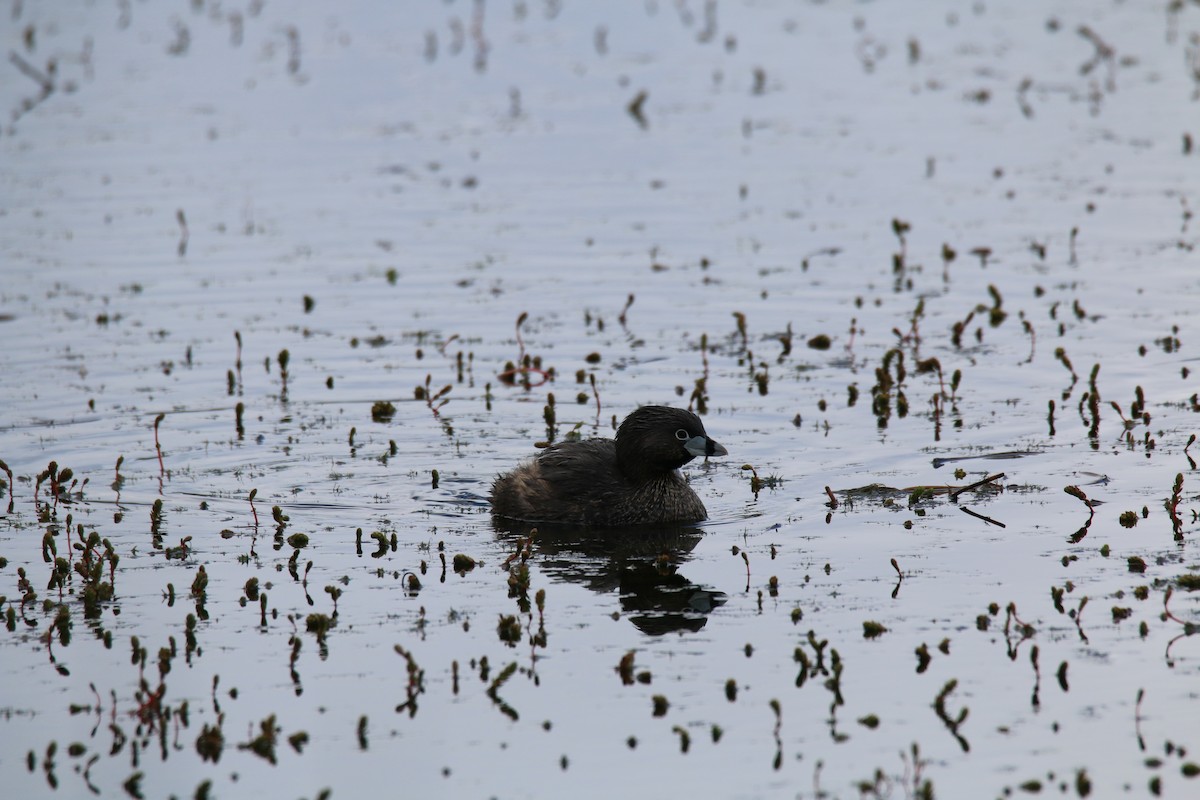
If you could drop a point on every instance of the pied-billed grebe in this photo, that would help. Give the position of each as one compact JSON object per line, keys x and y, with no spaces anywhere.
{"x":631,"y":480}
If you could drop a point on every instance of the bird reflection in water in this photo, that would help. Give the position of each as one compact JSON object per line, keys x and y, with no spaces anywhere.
{"x":642,"y":564}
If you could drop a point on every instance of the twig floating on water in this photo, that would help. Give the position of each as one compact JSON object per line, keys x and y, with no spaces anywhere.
{"x":988,"y":520}
{"x":954,"y":495}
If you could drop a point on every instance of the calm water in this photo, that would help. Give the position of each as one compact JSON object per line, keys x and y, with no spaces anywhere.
{"x":405,"y":201}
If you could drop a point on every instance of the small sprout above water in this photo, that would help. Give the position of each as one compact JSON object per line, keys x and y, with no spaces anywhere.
{"x":1172,"y":506}
{"x":624,"y":668}
{"x":412,"y":584}
{"x":319,"y":624}
{"x":778,"y":709}
{"x":756,"y":483}
{"x":740,"y":318}
{"x":509,"y":629}
{"x":820,"y":342}
{"x":785,"y":339}
{"x":180,"y":552}
{"x":873,"y":630}
{"x":954,"y":723}
{"x":435,"y":400}
{"x":200,"y":584}
{"x":923,"y":658}
{"x":382,"y":411}
{"x":685,"y":739}
{"x":636,"y":109}
{"x":415,"y":684}
{"x":157,"y":445}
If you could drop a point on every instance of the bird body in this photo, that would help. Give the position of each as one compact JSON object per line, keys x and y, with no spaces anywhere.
{"x":631,"y":480}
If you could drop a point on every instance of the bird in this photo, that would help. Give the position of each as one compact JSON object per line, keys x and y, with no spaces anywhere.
{"x":633,"y":479}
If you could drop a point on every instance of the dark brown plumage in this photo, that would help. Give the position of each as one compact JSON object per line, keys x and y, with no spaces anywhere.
{"x":632,"y":480}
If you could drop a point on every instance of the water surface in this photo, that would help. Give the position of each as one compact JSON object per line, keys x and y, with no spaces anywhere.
{"x":405,"y":202}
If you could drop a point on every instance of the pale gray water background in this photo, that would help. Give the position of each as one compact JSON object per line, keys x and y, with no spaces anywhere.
{"x":485,"y":154}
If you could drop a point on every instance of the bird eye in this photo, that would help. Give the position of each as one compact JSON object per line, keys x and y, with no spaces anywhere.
{"x":682,"y":435}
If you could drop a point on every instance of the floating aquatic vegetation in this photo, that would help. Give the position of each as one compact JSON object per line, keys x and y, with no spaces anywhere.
{"x":383,"y":411}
